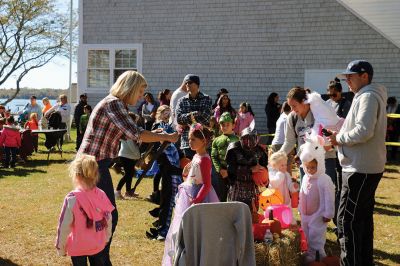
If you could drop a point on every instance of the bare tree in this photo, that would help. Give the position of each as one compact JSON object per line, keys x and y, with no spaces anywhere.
{"x":32,"y":33}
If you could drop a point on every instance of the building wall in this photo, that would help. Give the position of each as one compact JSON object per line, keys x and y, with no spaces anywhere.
{"x":251,"y":47}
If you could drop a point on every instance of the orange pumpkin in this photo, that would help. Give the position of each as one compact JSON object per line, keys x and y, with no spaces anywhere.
{"x":274,"y":224}
{"x":268,"y":197}
{"x":261,"y":177}
{"x":183,"y":162}
{"x":331,"y":260}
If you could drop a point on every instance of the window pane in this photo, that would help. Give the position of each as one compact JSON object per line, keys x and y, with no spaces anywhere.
{"x":98,"y":78}
{"x":118,"y":72}
{"x":98,"y":59}
{"x":125,"y":59}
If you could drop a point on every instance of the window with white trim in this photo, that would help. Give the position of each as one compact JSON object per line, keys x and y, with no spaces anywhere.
{"x":105,"y":63}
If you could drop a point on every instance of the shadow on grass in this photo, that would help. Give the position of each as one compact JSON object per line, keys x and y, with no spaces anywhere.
{"x":19,"y":171}
{"x":381,"y":208}
{"x":6,"y":262}
{"x":333,"y":248}
{"x":44,"y":162}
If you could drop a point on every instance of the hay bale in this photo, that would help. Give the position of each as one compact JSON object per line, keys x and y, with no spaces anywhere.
{"x":284,"y":250}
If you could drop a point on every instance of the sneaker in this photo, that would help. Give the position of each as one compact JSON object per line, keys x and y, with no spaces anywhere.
{"x":160,"y":238}
{"x":155,"y":212}
{"x":130,"y":194}
{"x":151,"y":235}
{"x":118,"y":195}
{"x":154,"y":197}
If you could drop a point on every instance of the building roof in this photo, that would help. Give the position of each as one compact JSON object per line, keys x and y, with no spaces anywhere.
{"x":381,"y":15}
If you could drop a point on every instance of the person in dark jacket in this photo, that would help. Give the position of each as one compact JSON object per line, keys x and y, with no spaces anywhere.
{"x":77,"y":118}
{"x":273,"y":111}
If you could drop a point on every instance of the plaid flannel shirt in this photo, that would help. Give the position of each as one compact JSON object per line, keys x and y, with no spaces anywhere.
{"x":108,"y":123}
{"x":202,"y":104}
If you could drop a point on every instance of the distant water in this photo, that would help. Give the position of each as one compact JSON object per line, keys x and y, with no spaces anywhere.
{"x":17,"y":105}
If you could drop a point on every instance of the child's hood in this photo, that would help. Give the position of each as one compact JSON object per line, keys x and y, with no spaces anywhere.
{"x":11,"y":129}
{"x":94,"y":202}
{"x":313,"y":148}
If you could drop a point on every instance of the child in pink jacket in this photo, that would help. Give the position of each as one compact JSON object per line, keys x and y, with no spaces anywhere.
{"x":10,"y":138}
{"x":244,"y":118}
{"x":84,"y":226}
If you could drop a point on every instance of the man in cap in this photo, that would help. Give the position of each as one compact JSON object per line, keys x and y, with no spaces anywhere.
{"x":195,"y":107}
{"x":362,"y":155}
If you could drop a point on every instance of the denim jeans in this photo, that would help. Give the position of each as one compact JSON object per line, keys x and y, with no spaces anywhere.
{"x":355,"y":218}
{"x":105,"y":183}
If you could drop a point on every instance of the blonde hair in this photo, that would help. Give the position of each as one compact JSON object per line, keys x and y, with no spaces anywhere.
{"x":45,"y":100}
{"x":84,"y":171}
{"x":33,"y":115}
{"x":160,"y":110}
{"x":127,"y":85}
{"x":277,"y":157}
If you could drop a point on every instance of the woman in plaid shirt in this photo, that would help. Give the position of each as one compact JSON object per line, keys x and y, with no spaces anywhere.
{"x":110,"y":122}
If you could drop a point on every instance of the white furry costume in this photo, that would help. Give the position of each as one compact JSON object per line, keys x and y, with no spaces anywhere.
{"x":324,"y":114}
{"x":317,"y":198}
{"x":282,"y":181}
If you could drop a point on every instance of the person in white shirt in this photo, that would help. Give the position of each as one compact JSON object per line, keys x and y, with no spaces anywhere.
{"x":178,"y":93}
{"x":64,"y":108}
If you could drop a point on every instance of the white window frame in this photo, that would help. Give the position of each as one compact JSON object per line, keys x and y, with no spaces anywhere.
{"x":111,"y":48}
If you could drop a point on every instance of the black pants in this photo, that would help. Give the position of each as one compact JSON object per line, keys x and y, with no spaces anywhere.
{"x":11,"y":156}
{"x":355,"y":218}
{"x":129,"y":173}
{"x":79,"y":138}
{"x":95,"y":260}
{"x":105,"y":183}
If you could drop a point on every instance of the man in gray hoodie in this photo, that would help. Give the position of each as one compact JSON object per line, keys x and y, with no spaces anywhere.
{"x":362,"y":155}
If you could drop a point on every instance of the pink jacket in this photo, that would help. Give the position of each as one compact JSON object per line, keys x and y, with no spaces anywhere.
{"x":243,"y":120}
{"x":10,"y":137}
{"x":74,"y":237}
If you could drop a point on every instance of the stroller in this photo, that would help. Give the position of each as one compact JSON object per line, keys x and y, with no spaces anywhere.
{"x":53,"y":139}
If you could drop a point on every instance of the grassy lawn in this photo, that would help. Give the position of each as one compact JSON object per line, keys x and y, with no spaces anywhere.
{"x":32,"y":195}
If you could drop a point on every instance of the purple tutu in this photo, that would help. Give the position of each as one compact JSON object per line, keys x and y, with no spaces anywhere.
{"x":186,"y":192}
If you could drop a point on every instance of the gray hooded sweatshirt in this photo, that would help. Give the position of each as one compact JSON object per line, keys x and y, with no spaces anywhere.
{"x":362,"y":138}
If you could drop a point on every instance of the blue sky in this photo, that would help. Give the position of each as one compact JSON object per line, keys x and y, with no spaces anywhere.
{"x":53,"y":75}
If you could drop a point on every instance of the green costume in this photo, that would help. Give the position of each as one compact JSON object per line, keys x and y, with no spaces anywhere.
{"x":218,"y":151}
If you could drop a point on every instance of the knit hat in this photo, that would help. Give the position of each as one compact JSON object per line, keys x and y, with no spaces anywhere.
{"x":192,"y":78}
{"x":225,"y":117}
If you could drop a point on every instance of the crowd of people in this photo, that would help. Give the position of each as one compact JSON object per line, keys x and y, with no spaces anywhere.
{"x":211,"y":153}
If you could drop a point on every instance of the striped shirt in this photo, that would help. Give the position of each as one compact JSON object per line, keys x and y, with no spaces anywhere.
{"x":108,"y":123}
{"x":202,"y":104}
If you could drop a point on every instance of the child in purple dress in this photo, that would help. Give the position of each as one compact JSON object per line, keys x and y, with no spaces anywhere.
{"x":196,"y":188}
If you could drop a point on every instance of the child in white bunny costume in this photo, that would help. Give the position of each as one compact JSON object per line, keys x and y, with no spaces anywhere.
{"x":316,"y":196}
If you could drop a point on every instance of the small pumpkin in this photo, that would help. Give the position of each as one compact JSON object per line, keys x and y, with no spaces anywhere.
{"x":274,"y":224}
{"x":268,"y":197}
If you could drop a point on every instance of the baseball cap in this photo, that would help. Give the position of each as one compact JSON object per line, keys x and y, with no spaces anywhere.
{"x":192,"y":78}
{"x":357,"y":67}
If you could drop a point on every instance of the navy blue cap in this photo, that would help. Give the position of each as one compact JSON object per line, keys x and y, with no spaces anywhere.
{"x":358,"y":67}
{"x":192,"y":78}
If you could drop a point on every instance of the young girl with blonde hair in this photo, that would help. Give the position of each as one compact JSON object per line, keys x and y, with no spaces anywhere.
{"x":84,"y":226}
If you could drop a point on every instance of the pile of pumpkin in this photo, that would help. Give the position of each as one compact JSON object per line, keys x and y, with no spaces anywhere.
{"x":288,"y":240}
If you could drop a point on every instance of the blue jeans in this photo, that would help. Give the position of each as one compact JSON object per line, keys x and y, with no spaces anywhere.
{"x":105,"y":183}
{"x":11,"y":156}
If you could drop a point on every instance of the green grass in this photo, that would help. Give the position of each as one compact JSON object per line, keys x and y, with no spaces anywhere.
{"x":32,"y":195}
